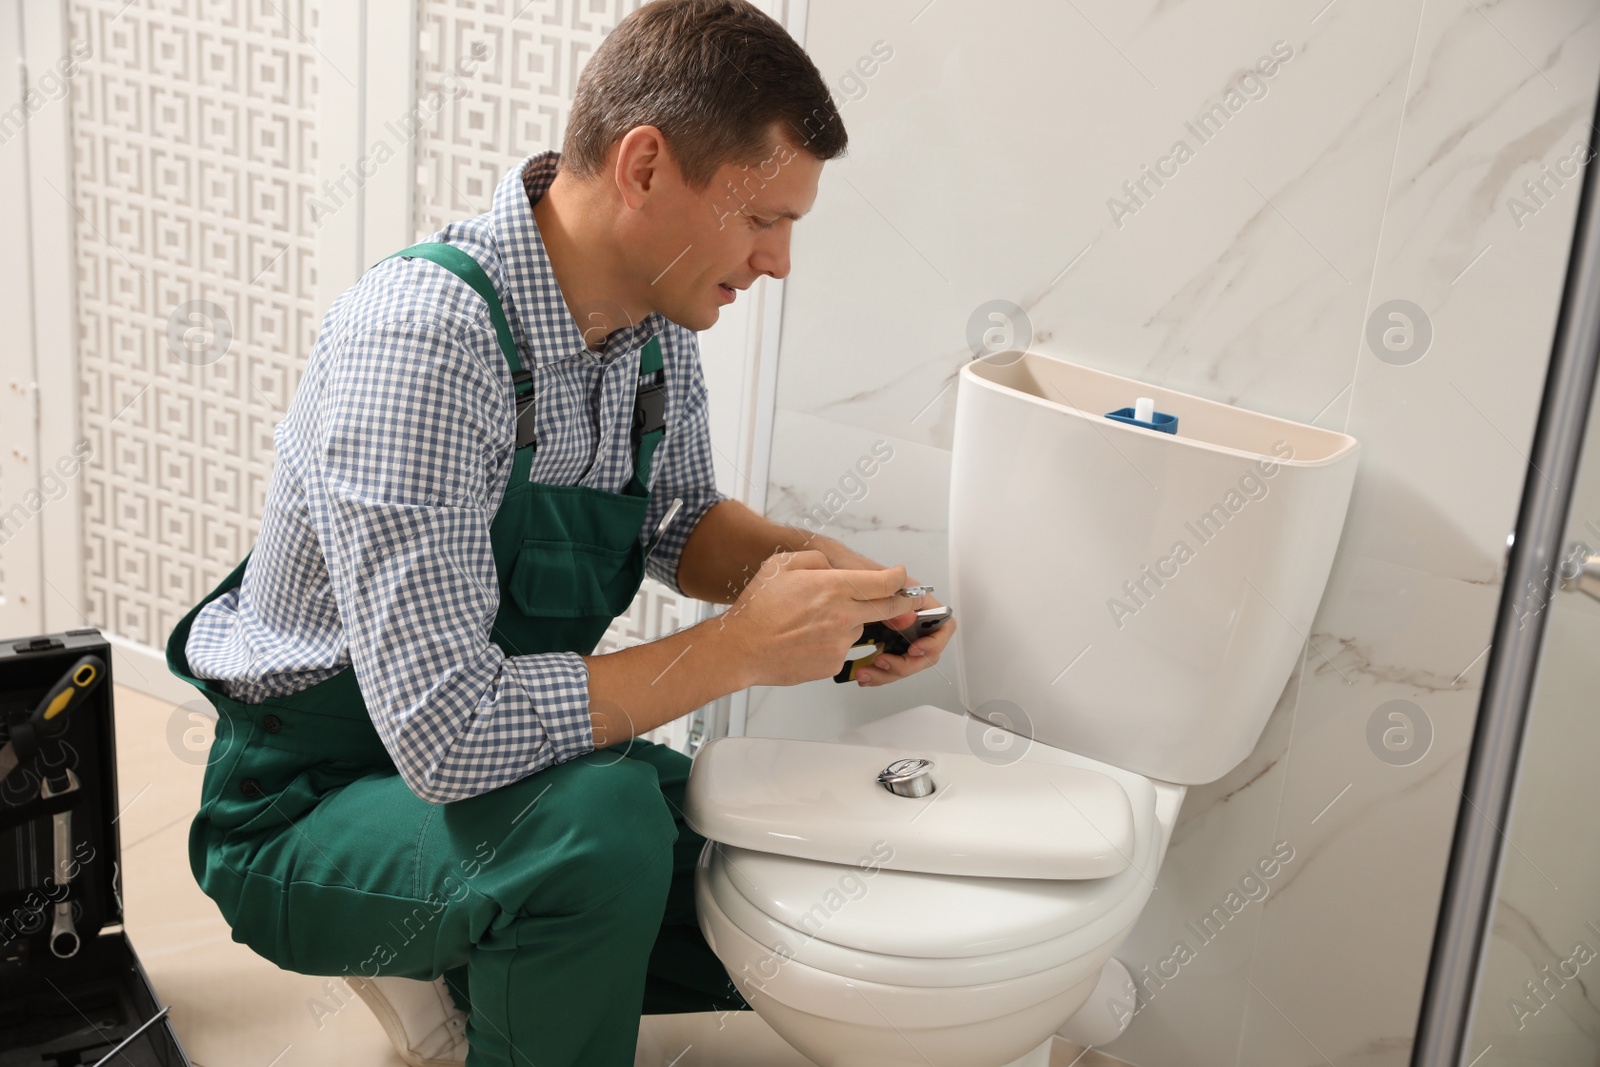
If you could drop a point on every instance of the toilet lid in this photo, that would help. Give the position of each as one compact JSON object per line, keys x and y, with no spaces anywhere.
{"x":826,"y":801}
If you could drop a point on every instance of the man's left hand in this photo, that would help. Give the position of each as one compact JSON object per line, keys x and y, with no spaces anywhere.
{"x":924,"y":651}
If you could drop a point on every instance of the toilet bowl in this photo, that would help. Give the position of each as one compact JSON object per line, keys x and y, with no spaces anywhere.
{"x":858,"y":963}
{"x":965,"y":926}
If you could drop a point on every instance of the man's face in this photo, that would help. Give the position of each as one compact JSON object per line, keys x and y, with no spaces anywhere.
{"x":706,"y":245}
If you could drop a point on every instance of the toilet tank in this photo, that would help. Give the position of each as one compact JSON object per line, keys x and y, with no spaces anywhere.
{"x":1133,"y":596}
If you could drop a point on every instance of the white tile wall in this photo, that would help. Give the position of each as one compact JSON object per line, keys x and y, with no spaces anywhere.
{"x":1377,"y":165}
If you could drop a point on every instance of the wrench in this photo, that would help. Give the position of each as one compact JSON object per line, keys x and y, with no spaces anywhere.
{"x":64,"y":942}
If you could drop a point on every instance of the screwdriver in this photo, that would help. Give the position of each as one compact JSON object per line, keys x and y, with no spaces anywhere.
{"x":49,"y":719}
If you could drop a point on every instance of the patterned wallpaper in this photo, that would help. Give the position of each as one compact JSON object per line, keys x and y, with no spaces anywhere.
{"x":194,"y":126}
{"x":194,"y":133}
{"x":194,"y":130}
{"x":513,"y":103}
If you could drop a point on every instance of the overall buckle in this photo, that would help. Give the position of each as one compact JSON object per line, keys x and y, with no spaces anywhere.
{"x":525,"y":436}
{"x":649,"y":409}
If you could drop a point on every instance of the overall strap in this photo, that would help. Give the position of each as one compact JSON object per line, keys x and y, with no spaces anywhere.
{"x":649,"y":414}
{"x":650,"y":399}
{"x":469,"y":270}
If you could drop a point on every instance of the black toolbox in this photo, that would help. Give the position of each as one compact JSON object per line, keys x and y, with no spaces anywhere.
{"x":66,"y":1005}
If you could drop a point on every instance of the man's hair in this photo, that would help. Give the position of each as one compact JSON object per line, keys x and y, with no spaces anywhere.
{"x":713,"y":76}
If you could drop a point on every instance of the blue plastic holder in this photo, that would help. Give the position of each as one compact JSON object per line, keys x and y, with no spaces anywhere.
{"x":1160,"y":421}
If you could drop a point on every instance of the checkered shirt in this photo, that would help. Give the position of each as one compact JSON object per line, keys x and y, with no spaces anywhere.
{"x":391,"y":462}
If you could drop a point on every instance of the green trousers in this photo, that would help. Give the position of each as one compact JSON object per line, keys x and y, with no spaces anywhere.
{"x":558,"y":907}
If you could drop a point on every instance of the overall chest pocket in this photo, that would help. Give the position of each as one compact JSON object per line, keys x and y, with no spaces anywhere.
{"x":575,"y":579}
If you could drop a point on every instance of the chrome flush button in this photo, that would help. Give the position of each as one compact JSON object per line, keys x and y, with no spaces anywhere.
{"x":908,"y":777}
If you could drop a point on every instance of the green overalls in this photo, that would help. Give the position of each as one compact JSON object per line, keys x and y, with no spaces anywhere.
{"x":559,"y":906}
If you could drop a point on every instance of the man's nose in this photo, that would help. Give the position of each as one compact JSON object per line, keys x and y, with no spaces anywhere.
{"x":772,"y":257}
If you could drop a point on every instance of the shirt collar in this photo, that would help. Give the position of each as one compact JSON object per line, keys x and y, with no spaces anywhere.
{"x":548,"y":333}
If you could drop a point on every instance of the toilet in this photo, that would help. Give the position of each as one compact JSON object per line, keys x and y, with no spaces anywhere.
{"x":947,"y":887}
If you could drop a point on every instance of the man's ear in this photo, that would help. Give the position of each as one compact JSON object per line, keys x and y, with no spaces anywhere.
{"x":643,"y":162}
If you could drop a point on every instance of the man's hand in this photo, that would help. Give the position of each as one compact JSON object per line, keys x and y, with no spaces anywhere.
{"x":797,"y":618}
{"x":923,"y":653}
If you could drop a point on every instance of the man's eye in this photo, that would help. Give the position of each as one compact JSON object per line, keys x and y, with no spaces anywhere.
{"x":765,"y":224}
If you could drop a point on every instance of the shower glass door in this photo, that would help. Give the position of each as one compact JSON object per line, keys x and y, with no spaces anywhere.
{"x":1537,"y":999}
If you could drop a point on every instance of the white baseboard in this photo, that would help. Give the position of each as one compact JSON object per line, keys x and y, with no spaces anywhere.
{"x":144,"y":668}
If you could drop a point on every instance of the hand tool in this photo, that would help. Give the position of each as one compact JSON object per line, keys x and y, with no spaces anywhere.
{"x":148,"y":1023}
{"x":881,"y":638}
{"x":49,"y":719}
{"x":64,"y":941}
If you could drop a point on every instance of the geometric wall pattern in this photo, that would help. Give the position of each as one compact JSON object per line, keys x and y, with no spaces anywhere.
{"x":514,"y":102}
{"x":194,"y":145}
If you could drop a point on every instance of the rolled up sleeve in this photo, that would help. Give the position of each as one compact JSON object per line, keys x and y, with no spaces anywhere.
{"x":682,"y":466}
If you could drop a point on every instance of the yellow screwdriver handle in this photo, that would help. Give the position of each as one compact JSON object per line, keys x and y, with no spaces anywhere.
{"x":78,"y":683}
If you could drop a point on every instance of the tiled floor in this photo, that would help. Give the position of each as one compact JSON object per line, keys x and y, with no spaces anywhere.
{"x":230,"y":1007}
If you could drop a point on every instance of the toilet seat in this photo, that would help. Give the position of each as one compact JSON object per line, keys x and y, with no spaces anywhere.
{"x":1101,"y":921}
{"x":870,"y":1002}
{"x":907,"y":914}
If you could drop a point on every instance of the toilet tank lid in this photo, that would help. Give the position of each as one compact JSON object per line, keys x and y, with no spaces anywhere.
{"x":821,"y":800}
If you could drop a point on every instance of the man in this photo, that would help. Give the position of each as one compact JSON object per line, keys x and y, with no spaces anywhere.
{"x":419,"y":770}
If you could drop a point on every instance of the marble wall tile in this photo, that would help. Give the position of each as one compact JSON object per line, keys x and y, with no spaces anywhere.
{"x":1446,"y":430}
{"x":896,"y":515}
{"x":1371,"y":791}
{"x":985,"y":160}
{"x":1378,"y":165}
{"x":1445,"y":433}
{"x":1224,"y":830}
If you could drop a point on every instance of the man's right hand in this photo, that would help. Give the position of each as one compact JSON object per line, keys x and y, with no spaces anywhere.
{"x":797,"y":618}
